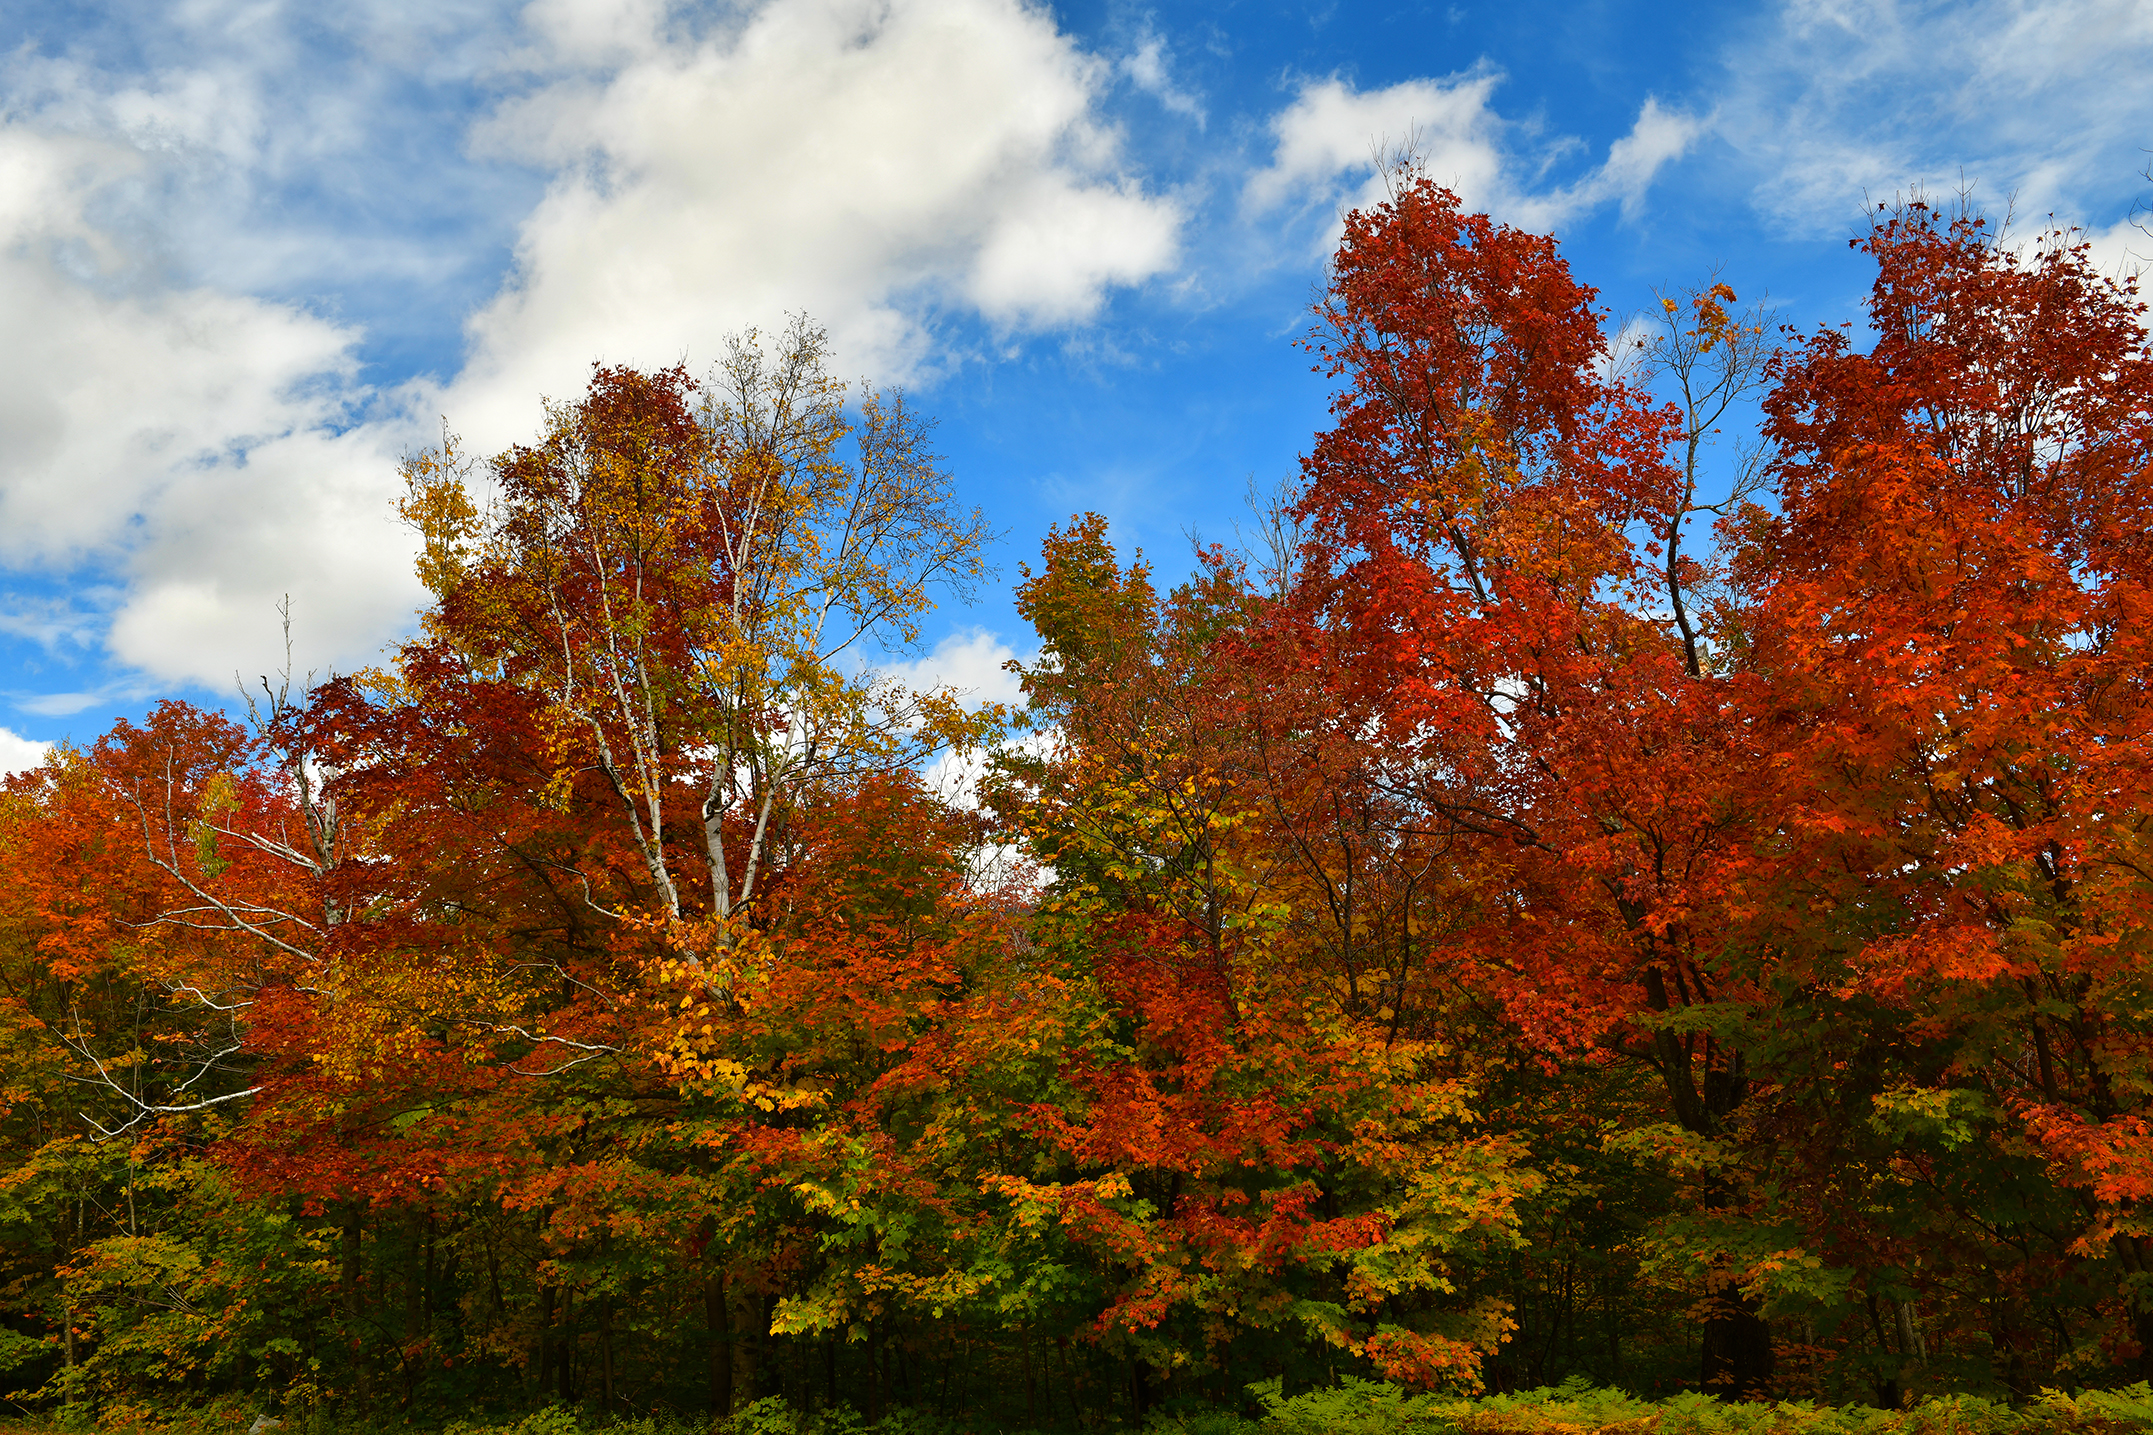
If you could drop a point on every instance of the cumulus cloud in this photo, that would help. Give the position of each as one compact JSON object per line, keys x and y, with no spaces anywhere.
{"x":1334,"y":141}
{"x":19,"y":754}
{"x":1333,"y":136}
{"x":185,"y":437}
{"x":870,"y":161}
{"x":974,"y":662}
{"x":2044,"y":100}
{"x":190,"y":217}
{"x":286,"y":150}
{"x":193,"y":428}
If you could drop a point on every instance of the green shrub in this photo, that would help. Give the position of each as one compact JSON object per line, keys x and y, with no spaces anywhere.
{"x":1358,"y":1407}
{"x":1353,"y":1407}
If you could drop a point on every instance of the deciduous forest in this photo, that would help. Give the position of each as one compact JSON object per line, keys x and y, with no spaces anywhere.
{"x":1638,"y":870}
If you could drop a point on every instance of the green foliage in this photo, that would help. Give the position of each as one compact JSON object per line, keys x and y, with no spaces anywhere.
{"x":1357,"y":1407}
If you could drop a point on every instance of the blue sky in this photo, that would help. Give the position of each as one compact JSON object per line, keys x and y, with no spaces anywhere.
{"x":252,"y":250}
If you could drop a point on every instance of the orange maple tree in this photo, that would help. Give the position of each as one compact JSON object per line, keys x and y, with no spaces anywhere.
{"x":1951,"y":626}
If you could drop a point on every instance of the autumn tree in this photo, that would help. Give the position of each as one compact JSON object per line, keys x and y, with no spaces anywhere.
{"x":1951,"y":615}
{"x":693,"y":578}
{"x":426,"y":946}
{"x":1261,"y":1169}
{"x":1494,"y":586}
{"x":646,"y":677}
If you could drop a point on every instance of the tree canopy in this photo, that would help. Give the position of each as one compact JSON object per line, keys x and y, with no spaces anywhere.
{"x":1573,"y":902}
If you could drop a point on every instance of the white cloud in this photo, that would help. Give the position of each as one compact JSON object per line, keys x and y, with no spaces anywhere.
{"x":20,"y":754}
{"x":2123,"y":248}
{"x":1333,"y":133}
{"x":183,"y":436}
{"x":1334,"y":142}
{"x":1657,"y":138}
{"x":2044,"y":100}
{"x":202,"y":450}
{"x":974,"y":662}
{"x":868,"y":162}
{"x":281,"y":148}
{"x":185,"y":447}
{"x":69,"y":703}
{"x":73,"y":623}
{"x":307,"y":516}
{"x":1149,"y":67}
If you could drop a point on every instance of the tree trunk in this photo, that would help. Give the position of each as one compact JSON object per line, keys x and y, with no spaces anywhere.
{"x":354,"y":1271}
{"x":542,"y":1358}
{"x":1737,"y":1343}
{"x":605,"y":1354}
{"x":1031,"y":1409}
{"x":874,"y":1371}
{"x":717,"y":1315}
{"x":745,"y":1322}
{"x":565,"y":1348}
{"x":415,"y":1284}
{"x":1076,"y":1407}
